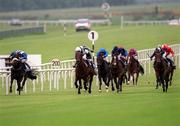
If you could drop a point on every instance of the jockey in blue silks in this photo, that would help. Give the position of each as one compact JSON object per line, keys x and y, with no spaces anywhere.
{"x":121,"y":52}
{"x":102,"y":51}
{"x":22,"y":56}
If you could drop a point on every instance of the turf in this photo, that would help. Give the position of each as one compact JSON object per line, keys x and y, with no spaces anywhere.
{"x":137,"y":105}
{"x":53,"y":44}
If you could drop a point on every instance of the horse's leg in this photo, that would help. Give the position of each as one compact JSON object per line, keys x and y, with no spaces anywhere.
{"x":100,"y":83}
{"x":85,"y":86}
{"x":90,"y":83}
{"x":79,"y":87}
{"x":162,"y":82}
{"x":19,"y":86}
{"x":128,"y":78}
{"x":106,"y":83}
{"x":157,"y":80}
{"x":24,"y":81}
{"x":75,"y":83}
{"x":117,"y":86}
{"x":133,"y":78}
{"x":112,"y":84}
{"x":137,"y":76}
{"x":10,"y":90}
{"x":171,"y":75}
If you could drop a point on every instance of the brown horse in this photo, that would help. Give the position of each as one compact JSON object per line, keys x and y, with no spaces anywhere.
{"x":134,"y":68}
{"x":118,"y":72}
{"x":83,"y":72}
{"x":104,"y":72}
{"x":162,"y":70}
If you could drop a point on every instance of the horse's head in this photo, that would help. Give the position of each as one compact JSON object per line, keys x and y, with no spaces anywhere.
{"x":114,"y":60}
{"x":158,"y":57}
{"x":16,"y":63}
{"x":78,"y":56}
{"x":100,"y":59}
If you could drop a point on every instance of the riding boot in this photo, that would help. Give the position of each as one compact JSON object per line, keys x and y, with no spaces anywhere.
{"x":172,"y":64}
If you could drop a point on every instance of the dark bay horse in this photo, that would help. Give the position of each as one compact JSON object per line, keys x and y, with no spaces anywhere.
{"x":134,"y":68}
{"x":19,"y":74}
{"x":118,"y":72}
{"x":104,"y":72}
{"x":162,"y":71}
{"x":83,"y":72}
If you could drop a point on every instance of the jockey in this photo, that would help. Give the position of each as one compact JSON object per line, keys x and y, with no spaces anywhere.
{"x":121,"y":52}
{"x":103,"y":52}
{"x":86,"y":52}
{"x":157,"y":49}
{"x":133,"y":53}
{"x":22,"y":56}
{"x":168,"y":54}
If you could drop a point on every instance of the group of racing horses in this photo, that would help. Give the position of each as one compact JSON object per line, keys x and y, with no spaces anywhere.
{"x":114,"y":71}
{"x":117,"y":72}
{"x":108,"y":72}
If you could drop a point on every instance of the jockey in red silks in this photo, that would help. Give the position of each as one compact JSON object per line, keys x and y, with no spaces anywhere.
{"x":133,"y":53}
{"x":168,"y":54}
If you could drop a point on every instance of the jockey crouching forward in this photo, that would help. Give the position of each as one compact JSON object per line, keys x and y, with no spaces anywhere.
{"x":133,"y":53}
{"x":102,"y":52}
{"x":122,"y":54}
{"x":86,"y":55}
{"x":168,"y":54}
{"x":22,"y":56}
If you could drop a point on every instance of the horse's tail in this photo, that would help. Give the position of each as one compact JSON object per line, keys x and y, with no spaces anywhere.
{"x":141,"y":70}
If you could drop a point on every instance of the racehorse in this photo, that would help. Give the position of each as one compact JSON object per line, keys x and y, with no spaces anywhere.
{"x":104,"y":72}
{"x":83,"y":72}
{"x":118,"y":72}
{"x":162,"y":70}
{"x":19,"y":74}
{"x":134,"y":68}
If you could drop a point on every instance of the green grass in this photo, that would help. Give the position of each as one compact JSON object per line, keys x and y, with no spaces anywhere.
{"x":137,"y":105}
{"x":54,"y":44}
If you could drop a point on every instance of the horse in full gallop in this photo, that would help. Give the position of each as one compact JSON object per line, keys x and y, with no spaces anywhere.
{"x":118,"y":72}
{"x":162,"y":71}
{"x":104,"y":72}
{"x":19,"y":74}
{"x":134,"y":68}
{"x":83,"y":72}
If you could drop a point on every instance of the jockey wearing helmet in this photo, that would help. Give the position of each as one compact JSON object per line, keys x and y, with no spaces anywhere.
{"x":121,"y":52}
{"x":86,"y":52}
{"x":22,"y":56}
{"x":103,"y":52}
{"x":158,"y":49}
{"x":133,"y":53}
{"x":169,"y":54}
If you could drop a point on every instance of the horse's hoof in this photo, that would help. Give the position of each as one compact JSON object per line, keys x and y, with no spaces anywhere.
{"x":100,"y":90}
{"x":107,"y":90}
{"x":79,"y":92}
{"x":113,"y":89}
{"x":10,"y":91}
{"x":89,"y":91}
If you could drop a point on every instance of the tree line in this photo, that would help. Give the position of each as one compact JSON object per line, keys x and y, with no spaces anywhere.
{"x":19,"y":5}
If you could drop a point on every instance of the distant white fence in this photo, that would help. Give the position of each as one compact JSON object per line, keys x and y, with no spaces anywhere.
{"x":59,"y":22}
{"x":61,"y":74}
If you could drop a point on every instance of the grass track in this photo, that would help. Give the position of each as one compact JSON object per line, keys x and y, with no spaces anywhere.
{"x":137,"y":105}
